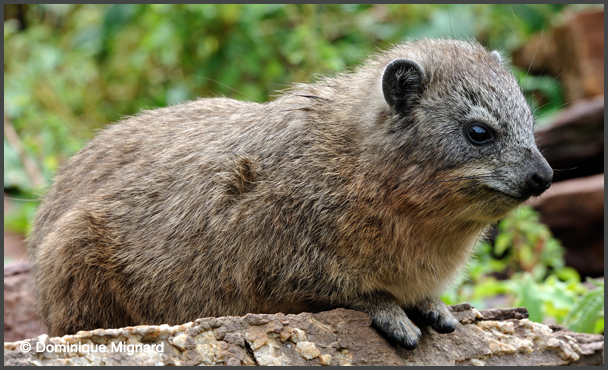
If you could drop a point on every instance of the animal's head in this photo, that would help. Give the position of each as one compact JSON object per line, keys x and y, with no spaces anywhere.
{"x":460,"y":118}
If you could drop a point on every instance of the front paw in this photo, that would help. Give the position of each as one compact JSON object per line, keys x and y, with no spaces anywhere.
{"x":388,"y":319}
{"x":394,"y":325}
{"x":433,"y":312}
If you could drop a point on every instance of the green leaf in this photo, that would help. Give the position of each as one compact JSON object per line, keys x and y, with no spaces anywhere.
{"x":567,"y":274}
{"x":502,"y":243}
{"x":599,"y":326}
{"x":530,"y":298}
{"x":14,"y":173}
{"x":585,"y":314}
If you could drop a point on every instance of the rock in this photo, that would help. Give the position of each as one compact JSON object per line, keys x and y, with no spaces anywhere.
{"x":574,"y":211}
{"x":20,"y":313}
{"x":573,"y":207}
{"x":574,"y":142}
{"x":574,"y":51}
{"x":518,"y":313}
{"x":336,"y":337}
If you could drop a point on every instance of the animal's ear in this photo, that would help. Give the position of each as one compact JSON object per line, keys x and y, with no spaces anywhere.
{"x":496,"y":56}
{"x":401,"y":83}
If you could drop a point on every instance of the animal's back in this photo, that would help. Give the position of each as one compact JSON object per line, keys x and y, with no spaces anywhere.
{"x":175,"y":204}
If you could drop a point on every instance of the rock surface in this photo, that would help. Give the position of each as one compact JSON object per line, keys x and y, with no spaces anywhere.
{"x":573,"y":207}
{"x":574,"y":51}
{"x":574,"y":142}
{"x":20,"y":313}
{"x":337,"y":337}
{"x":574,"y":211}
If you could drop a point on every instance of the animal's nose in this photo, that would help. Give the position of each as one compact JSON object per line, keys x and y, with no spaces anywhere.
{"x":538,"y":182}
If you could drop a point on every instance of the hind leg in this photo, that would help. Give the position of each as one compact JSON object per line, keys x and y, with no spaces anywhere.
{"x":74,"y":289}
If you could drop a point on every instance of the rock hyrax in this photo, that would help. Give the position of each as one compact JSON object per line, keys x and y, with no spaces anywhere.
{"x":366,"y":190}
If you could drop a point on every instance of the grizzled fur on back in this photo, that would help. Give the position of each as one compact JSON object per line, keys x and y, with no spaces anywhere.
{"x":318,"y":199}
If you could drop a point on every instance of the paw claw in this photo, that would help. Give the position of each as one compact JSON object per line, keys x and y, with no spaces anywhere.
{"x":395,"y":338}
{"x":444,"y":326}
{"x":432,"y":317}
{"x":398,"y":330}
{"x":434,"y":313}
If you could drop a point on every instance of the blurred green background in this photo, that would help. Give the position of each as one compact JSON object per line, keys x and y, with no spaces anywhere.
{"x":69,"y":70}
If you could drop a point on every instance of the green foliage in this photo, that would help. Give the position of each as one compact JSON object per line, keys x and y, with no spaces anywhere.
{"x":587,"y":314}
{"x":20,"y":220}
{"x":14,"y":175}
{"x":528,"y":244}
{"x":543,"y":93}
{"x":532,"y":262}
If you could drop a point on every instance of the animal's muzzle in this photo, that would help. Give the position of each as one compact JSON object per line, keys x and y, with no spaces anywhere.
{"x":539,"y":178}
{"x":538,"y":182}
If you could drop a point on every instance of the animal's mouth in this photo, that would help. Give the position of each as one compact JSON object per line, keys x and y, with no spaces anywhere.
{"x":519,"y":198}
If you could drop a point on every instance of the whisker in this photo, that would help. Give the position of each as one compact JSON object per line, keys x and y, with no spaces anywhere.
{"x":561,"y":106}
{"x":450,"y":20}
{"x":534,"y":56}
{"x":564,"y":169}
{"x":235,"y":90}
{"x":516,"y":33}
{"x":544,"y":92}
{"x":550,"y":87}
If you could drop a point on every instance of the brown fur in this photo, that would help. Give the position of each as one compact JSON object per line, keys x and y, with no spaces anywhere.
{"x":325,"y":197}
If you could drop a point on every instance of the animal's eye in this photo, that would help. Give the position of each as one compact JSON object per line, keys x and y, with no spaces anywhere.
{"x":478,"y":133}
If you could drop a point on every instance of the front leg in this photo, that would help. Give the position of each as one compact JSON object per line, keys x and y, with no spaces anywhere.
{"x":389,"y":319}
{"x":432,"y":312}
